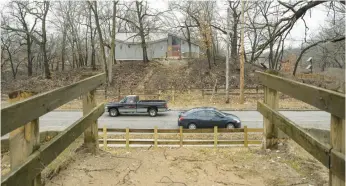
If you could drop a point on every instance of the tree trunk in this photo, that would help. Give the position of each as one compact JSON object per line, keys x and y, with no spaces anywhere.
{"x":111,"y":60}
{"x":86,"y":47}
{"x":44,"y":41}
{"x":63,"y":50}
{"x":100,"y":37}
{"x":93,"y":64}
{"x":234,"y":44}
{"x":11,"y":61}
{"x":139,"y":7}
{"x":144,"y":48}
{"x":188,"y":39}
{"x":29,"y":54}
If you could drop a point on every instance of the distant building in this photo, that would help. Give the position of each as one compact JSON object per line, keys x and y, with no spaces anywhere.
{"x":159,"y":45}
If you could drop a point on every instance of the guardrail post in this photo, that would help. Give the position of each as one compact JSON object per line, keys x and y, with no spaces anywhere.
{"x":215,"y":136}
{"x":155,"y":137}
{"x":24,"y":140}
{"x":337,"y":141}
{"x":245,"y":137}
{"x":105,"y":137}
{"x":127,"y":136}
{"x":271,"y":98}
{"x":181,"y":135}
{"x":91,"y":133}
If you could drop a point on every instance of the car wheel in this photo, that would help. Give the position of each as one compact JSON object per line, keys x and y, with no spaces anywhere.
{"x":152,"y":112}
{"x":113,"y":112}
{"x":230,"y":126}
{"x":192,"y":126}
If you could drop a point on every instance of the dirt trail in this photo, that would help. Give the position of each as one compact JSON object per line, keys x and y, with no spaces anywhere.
{"x":192,"y":166}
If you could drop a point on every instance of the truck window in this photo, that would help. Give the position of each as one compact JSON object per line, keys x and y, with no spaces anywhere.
{"x":130,"y":100}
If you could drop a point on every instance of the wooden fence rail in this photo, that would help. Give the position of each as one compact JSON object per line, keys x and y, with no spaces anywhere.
{"x":26,"y":170}
{"x":158,"y":93}
{"x":180,"y":140}
{"x":331,"y":155}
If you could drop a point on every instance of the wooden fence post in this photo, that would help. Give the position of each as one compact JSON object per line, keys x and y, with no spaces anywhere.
{"x":160,"y":93}
{"x":181,"y":135}
{"x":173,"y":94}
{"x":215,"y":136}
{"x":24,"y":140}
{"x":337,"y":141}
{"x":119,"y":93}
{"x":245,"y":137}
{"x":203,"y":93}
{"x":127,"y":136}
{"x":91,"y":133}
{"x":155,"y":137}
{"x":271,"y":98}
{"x":105,"y":137}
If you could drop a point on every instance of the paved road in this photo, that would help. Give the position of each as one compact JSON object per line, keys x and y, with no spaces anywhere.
{"x":59,"y":120}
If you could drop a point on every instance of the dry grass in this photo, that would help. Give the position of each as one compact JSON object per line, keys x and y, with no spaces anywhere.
{"x":289,"y":165}
{"x":186,"y":100}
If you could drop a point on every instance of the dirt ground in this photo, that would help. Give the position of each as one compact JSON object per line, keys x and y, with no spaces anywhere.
{"x":289,"y":165}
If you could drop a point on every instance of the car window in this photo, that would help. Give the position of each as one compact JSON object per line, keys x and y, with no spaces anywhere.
{"x":210,"y":114}
{"x":192,"y":113}
{"x":130,"y":100}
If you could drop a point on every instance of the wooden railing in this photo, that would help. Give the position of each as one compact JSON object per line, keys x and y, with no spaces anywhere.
{"x":331,"y":155}
{"x":172,"y":92}
{"x":28,"y":159}
{"x":180,"y":141}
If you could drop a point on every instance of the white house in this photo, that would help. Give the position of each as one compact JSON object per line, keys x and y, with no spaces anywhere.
{"x":159,"y":45}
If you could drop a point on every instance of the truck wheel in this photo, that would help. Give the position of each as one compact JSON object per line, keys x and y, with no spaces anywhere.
{"x":152,"y":112}
{"x":113,"y":112}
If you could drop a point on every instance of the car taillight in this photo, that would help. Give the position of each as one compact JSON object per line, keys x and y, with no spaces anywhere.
{"x":181,"y":118}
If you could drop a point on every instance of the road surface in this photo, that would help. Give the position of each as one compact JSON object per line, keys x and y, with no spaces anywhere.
{"x":60,"y":120}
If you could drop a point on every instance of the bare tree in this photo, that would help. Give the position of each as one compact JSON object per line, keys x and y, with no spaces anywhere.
{"x":12,"y":48}
{"x":42,"y":15}
{"x":112,"y":56}
{"x":140,"y":18}
{"x":98,"y":27}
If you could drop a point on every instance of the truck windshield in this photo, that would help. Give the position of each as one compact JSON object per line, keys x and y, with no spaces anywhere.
{"x":123,"y":100}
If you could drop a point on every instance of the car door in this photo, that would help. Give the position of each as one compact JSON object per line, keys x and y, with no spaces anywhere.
{"x":218,"y":120}
{"x":206,"y":117}
{"x":211,"y":119}
{"x":129,"y":105}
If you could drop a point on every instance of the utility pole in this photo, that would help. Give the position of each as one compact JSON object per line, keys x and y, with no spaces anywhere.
{"x":227,"y":56}
{"x":242,"y":59}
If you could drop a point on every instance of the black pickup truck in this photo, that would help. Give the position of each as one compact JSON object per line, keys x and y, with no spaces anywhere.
{"x":132,"y":104}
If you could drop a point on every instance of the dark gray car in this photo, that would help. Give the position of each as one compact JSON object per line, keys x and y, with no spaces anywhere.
{"x":132,"y":104}
{"x":207,"y":117}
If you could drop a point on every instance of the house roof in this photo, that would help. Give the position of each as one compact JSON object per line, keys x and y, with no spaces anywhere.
{"x":132,"y":38}
{"x":135,"y":38}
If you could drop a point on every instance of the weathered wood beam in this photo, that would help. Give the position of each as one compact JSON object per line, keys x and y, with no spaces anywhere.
{"x":323,"y":99}
{"x":36,"y":162}
{"x":316,"y":148}
{"x":38,"y":105}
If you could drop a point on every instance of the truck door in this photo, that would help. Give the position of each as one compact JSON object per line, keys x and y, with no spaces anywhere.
{"x":129,"y":105}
